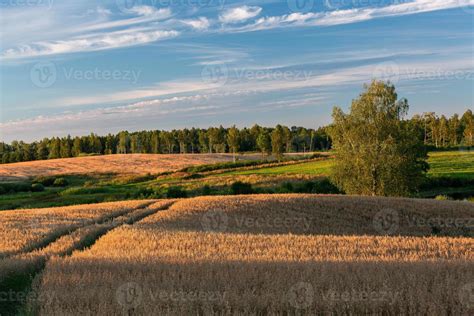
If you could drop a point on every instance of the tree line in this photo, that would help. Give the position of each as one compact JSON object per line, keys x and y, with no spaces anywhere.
{"x":433,"y":130}
{"x":211,"y":140}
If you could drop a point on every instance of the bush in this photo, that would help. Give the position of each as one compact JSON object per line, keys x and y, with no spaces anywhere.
{"x":60,"y":182}
{"x":206,"y":190}
{"x":14,"y":187}
{"x":241,"y":188}
{"x":442,"y":198}
{"x":80,"y":191}
{"x":46,"y":181}
{"x":2,"y":190}
{"x":193,"y":176}
{"x":176,"y":192}
{"x":37,"y":187}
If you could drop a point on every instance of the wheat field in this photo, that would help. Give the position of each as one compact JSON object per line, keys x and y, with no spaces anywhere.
{"x":112,"y":164}
{"x":23,"y":230}
{"x":275,"y":255}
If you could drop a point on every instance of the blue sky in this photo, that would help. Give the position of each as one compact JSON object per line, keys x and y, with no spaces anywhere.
{"x":75,"y":67}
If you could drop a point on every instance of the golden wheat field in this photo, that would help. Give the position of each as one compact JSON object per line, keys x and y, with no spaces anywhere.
{"x":270,"y":255}
{"x":112,"y":164}
{"x":26,"y":229}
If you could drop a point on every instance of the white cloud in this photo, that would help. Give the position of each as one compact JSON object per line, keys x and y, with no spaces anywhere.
{"x":239,"y":14}
{"x":145,"y":17}
{"x":348,"y":16}
{"x":201,"y":23}
{"x":101,"y":41}
{"x":143,"y":10}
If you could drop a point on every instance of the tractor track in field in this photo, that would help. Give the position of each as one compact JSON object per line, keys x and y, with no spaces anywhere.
{"x":19,"y":281}
{"x":48,"y":240}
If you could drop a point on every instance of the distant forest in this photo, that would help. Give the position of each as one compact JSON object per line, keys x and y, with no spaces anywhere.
{"x":436,"y":132}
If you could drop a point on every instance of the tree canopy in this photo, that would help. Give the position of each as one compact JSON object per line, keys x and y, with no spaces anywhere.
{"x":377,"y":151}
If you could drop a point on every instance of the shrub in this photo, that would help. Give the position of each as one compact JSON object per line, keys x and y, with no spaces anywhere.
{"x":206,"y":190}
{"x":60,"y":182}
{"x":79,"y":191}
{"x":442,"y":198}
{"x":37,"y":187}
{"x":193,"y":176}
{"x":241,"y":188}
{"x":14,"y":187}
{"x":176,"y":192}
{"x":46,"y":181}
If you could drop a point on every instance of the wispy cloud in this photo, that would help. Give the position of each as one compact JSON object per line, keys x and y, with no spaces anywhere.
{"x":348,"y":16}
{"x":98,"y":42}
{"x":200,"y":23}
{"x":239,"y":14}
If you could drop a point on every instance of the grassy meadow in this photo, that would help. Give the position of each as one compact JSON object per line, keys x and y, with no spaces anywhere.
{"x":451,"y":175}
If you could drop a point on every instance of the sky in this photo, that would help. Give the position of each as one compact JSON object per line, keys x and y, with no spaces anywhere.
{"x":81,"y":66}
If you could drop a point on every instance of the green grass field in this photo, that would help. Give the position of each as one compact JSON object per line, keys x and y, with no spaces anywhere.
{"x":458,"y":164}
{"x":453,"y":171}
{"x":319,"y":167}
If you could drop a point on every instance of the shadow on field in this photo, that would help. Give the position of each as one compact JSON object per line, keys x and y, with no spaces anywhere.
{"x":243,"y":287}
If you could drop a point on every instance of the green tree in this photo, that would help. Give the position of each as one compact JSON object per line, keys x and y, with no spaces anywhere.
{"x":168,"y":140}
{"x":123,"y":146}
{"x":54,"y":148}
{"x":377,"y":152}
{"x":264,"y":143}
{"x":278,"y":141}
{"x":66,"y":147}
{"x":76,"y":146}
{"x":233,"y":139}
{"x":42,"y":151}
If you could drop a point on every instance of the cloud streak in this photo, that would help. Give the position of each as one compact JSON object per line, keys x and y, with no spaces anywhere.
{"x":239,"y":14}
